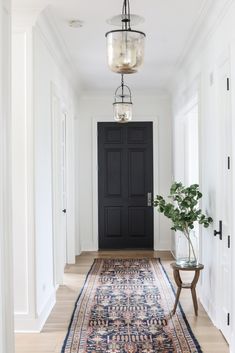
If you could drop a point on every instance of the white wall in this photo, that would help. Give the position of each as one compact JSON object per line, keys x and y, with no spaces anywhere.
{"x":98,"y":105}
{"x":198,"y":74}
{"x":19,"y":171}
{"x":6,"y":288}
{"x":35,"y":70}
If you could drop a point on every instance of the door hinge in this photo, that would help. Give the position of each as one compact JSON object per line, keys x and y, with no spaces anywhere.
{"x":229,"y":241}
{"x":229,"y":163}
{"x":228,"y":84}
{"x":228,"y":319}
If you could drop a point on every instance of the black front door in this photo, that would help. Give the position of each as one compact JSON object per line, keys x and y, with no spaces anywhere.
{"x":125,"y":185}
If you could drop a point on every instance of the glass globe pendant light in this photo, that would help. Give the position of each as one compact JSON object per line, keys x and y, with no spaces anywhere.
{"x":125,"y":47}
{"x":122,"y":106}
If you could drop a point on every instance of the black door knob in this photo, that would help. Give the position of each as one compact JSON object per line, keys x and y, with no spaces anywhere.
{"x":64,"y":211}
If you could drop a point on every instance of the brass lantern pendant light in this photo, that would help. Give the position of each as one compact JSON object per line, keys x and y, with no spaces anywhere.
{"x":125,"y":47}
{"x":122,"y":106}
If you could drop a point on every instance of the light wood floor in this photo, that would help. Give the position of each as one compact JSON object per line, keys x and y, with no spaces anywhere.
{"x":50,"y":340}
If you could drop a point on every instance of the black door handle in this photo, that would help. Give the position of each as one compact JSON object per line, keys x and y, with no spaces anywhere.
{"x":220,"y":231}
{"x":64,"y":211}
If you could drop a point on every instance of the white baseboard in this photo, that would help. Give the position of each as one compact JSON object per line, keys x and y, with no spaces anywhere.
{"x":163,"y":249}
{"x":232,"y":346}
{"x":78,"y":253}
{"x":209,"y":307}
{"x":30,"y":324}
{"x":91,"y":249}
{"x":96,"y":249}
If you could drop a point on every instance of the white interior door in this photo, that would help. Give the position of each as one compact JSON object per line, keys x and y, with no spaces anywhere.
{"x":59,"y":189}
{"x":224,"y":205}
{"x":63,"y":171}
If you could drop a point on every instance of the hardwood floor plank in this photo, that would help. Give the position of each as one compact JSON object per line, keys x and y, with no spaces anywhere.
{"x":50,"y":340}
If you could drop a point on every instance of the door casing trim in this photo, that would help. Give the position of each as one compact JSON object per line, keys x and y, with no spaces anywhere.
{"x":58,"y":265}
{"x":156,"y":218}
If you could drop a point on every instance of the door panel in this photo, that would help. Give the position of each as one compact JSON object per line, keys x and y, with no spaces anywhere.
{"x":125,"y":177}
{"x":137,"y":172}
{"x":137,"y":221}
{"x":113,"y":161}
{"x":113,"y":222}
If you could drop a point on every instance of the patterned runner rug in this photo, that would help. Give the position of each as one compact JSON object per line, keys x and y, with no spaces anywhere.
{"x":124,"y":307}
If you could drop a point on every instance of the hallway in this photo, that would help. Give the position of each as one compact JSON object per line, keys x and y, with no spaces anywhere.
{"x":50,"y":340}
{"x":74,"y":179}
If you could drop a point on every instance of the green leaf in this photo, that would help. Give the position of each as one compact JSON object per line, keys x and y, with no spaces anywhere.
{"x":183,"y":209}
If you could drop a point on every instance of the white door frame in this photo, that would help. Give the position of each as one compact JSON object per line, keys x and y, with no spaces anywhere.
{"x":180,"y":126}
{"x":180,"y":120}
{"x":56,"y":96}
{"x":95,"y":121}
{"x":6,"y":257}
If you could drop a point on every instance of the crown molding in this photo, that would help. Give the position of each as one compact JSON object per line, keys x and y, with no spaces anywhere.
{"x":203,"y":15}
{"x":6,"y":5}
{"x":25,"y":14}
{"x":48,"y":28}
{"x":42,"y":19}
{"x":212,"y":14}
{"x":24,"y":18}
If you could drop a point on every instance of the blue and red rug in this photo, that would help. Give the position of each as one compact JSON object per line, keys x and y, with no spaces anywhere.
{"x":125,"y":307}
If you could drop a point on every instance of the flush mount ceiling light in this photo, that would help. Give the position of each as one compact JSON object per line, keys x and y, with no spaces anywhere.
{"x":122,"y":106}
{"x":125,"y":47}
{"x":76,"y":23}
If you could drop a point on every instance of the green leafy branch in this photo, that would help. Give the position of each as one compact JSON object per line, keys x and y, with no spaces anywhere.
{"x":183,"y":209}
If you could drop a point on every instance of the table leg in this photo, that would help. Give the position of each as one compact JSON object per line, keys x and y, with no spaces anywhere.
{"x":176,"y":299}
{"x":194,"y":296}
{"x":193,"y":291}
{"x":178,"y":282}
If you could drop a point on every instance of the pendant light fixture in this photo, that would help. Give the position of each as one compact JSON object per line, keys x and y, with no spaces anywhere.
{"x":125,"y":47}
{"x":122,"y":106}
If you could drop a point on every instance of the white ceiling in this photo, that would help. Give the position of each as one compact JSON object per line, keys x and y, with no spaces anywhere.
{"x":169,"y":27}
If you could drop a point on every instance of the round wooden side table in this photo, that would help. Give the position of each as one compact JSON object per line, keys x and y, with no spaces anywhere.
{"x":176,"y":271}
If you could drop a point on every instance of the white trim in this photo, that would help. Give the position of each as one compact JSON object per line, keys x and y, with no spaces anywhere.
{"x":50,"y":39}
{"x":214,"y":13}
{"x":28,"y":86}
{"x":95,"y":120}
{"x":58,"y":263}
{"x":35,"y":324}
{"x":49,"y":30}
{"x":70,"y":181}
{"x":6,"y":257}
